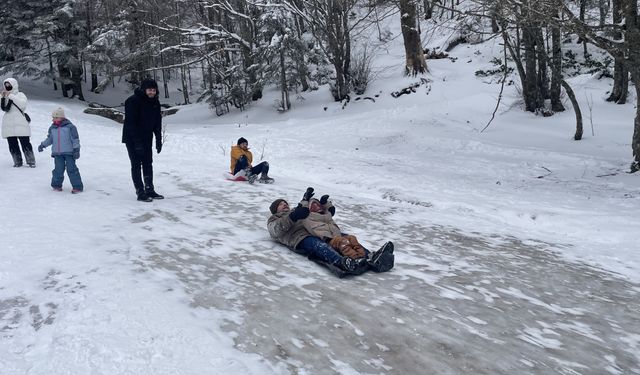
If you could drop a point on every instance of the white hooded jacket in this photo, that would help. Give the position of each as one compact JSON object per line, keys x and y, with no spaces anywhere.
{"x":13,"y":122}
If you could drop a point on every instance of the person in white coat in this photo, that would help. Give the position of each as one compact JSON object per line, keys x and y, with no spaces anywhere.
{"x":15,"y":127}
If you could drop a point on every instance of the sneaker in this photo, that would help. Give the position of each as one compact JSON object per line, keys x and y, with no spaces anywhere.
{"x":75,"y":191}
{"x":57,"y":188}
{"x":252,"y":178}
{"x":354,"y":266}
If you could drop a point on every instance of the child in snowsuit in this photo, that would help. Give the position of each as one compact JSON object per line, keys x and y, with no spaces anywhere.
{"x":320,"y":224}
{"x":65,"y":141}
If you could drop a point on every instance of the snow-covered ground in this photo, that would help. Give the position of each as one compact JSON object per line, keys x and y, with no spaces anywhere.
{"x":516,"y":248}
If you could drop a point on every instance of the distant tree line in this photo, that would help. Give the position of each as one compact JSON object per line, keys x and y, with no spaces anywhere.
{"x":236,"y":46}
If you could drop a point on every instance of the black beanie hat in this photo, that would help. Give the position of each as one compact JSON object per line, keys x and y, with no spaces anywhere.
{"x":242,"y":140}
{"x":148,"y":83}
{"x":274,"y":206}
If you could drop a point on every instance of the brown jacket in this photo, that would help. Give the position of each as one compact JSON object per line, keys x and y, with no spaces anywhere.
{"x":286,"y":231}
{"x":321,"y":224}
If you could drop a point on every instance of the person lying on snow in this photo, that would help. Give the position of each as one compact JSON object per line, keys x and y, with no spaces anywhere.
{"x":309,"y":230}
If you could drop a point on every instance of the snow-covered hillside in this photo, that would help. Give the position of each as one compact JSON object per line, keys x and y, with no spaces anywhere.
{"x":516,"y":248}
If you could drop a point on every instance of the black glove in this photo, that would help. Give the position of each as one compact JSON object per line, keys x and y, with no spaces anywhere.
{"x":299,"y":213}
{"x":76,"y":153}
{"x":40,"y":148}
{"x":158,"y":146}
{"x":324,"y":199}
{"x":308,"y":194}
{"x":332,"y":210}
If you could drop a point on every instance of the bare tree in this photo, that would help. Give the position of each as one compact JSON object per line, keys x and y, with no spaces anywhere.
{"x":331,"y":23}
{"x":414,"y":54}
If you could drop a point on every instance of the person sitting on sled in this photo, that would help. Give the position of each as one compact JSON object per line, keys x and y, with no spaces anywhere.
{"x":312,"y":232}
{"x":241,"y":159}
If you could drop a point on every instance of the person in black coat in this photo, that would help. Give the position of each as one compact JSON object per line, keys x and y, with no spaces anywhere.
{"x":143,"y":121}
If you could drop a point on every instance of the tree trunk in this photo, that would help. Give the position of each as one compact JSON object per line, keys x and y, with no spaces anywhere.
{"x":51,"y":72}
{"x":602,"y":6}
{"x":65,"y":75}
{"x":556,"y":70}
{"x":576,"y":109}
{"x":76,"y":77}
{"x":415,"y":61}
{"x":632,"y":39}
{"x":543,"y":77}
{"x":620,"y":71}
{"x":301,"y":66}
{"x":339,"y":45}
{"x":531,"y":91}
{"x":428,"y":9}
{"x":635,"y":141}
{"x":583,"y":10}
{"x":286,"y":104}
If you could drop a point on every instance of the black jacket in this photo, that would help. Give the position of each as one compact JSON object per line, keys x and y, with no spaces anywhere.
{"x":142,"y":119}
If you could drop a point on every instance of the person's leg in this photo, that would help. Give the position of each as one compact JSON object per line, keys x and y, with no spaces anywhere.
{"x":30,"y":158}
{"x":74,"y":173}
{"x":356,"y":245}
{"x":241,"y":164}
{"x":263,"y":169}
{"x":14,"y":150}
{"x":136,"y":165}
{"x":260,"y":168}
{"x":57,"y":174}
{"x":136,"y":172}
{"x":147,"y":172}
{"x":315,"y":247}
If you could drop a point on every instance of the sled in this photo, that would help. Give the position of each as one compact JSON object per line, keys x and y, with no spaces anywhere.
{"x":240,"y":176}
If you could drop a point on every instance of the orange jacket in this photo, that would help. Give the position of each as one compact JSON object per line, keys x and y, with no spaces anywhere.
{"x":236,"y":153}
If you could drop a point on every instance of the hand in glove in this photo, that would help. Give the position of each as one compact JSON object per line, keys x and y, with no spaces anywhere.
{"x":76,"y":153}
{"x":299,"y":213}
{"x":308,"y":194}
{"x":323,"y":200}
{"x":158,"y":146}
{"x":40,"y":148}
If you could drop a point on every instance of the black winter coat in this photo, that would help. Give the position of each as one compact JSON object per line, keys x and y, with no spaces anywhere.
{"x":142,"y":119}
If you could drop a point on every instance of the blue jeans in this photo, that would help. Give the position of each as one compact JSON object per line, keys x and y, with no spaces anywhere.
{"x":317,"y":248}
{"x":60,"y":163}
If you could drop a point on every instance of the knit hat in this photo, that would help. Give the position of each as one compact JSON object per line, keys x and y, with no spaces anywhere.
{"x":274,"y":206}
{"x":242,"y":140}
{"x":148,"y":83}
{"x":59,"y":112}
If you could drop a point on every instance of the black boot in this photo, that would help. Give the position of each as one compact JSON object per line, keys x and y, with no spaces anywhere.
{"x":142,"y":196}
{"x":30,"y":158}
{"x":382,"y":260}
{"x":354,"y":266}
{"x":17,"y":160}
{"x":149,"y":190}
